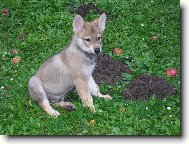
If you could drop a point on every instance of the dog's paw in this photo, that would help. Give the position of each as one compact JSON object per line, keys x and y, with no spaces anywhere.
{"x":92,"y":109}
{"x":107,"y":96}
{"x":53,"y":113}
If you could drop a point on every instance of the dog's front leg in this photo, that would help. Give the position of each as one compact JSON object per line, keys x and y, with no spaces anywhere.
{"x":95,"y":90}
{"x":84,"y":93}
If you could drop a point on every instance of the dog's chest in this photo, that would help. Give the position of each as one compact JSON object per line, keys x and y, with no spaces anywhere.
{"x":88,"y":69}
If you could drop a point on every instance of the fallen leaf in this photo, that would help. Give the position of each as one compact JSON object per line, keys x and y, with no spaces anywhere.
{"x":118,"y":51}
{"x":154,"y":37}
{"x":5,"y":11}
{"x":14,"y":51}
{"x":92,"y":122}
{"x":122,"y":109}
{"x":171,"y":72}
{"x":16,"y":60}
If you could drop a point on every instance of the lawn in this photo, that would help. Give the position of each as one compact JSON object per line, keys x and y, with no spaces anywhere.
{"x":40,"y":29}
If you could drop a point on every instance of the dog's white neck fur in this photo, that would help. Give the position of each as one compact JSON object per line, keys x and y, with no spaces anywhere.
{"x":77,"y":45}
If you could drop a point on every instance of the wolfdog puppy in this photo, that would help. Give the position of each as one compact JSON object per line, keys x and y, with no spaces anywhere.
{"x":70,"y":68}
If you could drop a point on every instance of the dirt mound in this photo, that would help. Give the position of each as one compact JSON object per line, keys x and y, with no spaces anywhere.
{"x":84,"y":9}
{"x":109,"y":71}
{"x":143,"y":87}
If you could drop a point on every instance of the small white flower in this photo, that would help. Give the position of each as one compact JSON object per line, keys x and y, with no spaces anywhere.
{"x":100,"y":111}
{"x":142,"y":24}
{"x":178,"y":82}
{"x":170,"y":115}
{"x":142,"y":38}
{"x":1,"y":97}
{"x":3,"y":55}
{"x":152,"y":1}
{"x":11,"y":79}
{"x":2,"y":87}
{"x":146,"y":108}
{"x":168,"y":108}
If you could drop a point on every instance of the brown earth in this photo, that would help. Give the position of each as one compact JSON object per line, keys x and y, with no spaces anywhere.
{"x":142,"y":88}
{"x":85,"y":8}
{"x":145,"y":86}
{"x":109,"y":71}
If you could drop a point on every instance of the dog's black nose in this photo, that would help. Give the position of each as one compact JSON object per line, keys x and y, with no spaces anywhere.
{"x":97,"y":50}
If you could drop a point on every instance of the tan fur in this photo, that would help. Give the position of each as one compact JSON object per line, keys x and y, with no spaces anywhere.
{"x":70,"y":68}
{"x":91,"y":28}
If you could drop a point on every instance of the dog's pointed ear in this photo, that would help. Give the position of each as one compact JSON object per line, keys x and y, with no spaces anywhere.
{"x":77,"y":23}
{"x":101,"y":22}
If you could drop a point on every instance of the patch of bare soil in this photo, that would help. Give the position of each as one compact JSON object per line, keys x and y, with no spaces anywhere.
{"x":145,"y":86}
{"x":109,"y":71}
{"x":85,"y":8}
{"x":142,"y":88}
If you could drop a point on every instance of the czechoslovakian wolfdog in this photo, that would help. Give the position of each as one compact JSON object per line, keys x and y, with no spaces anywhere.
{"x":70,"y":68}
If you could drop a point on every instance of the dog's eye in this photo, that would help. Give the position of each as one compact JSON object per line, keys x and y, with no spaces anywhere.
{"x":99,"y":38}
{"x":87,"y":39}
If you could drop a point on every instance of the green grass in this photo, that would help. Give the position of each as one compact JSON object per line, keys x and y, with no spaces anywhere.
{"x":47,"y":26}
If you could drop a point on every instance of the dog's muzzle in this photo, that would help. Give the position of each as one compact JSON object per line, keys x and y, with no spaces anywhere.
{"x":97,"y":50}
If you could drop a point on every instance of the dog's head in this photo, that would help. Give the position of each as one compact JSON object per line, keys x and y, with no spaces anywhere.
{"x":89,"y":34}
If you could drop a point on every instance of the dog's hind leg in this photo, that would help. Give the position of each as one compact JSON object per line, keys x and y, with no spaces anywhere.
{"x":66,"y":105}
{"x":38,"y":94}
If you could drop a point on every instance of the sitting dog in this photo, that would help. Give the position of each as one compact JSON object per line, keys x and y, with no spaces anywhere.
{"x":70,"y":68}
